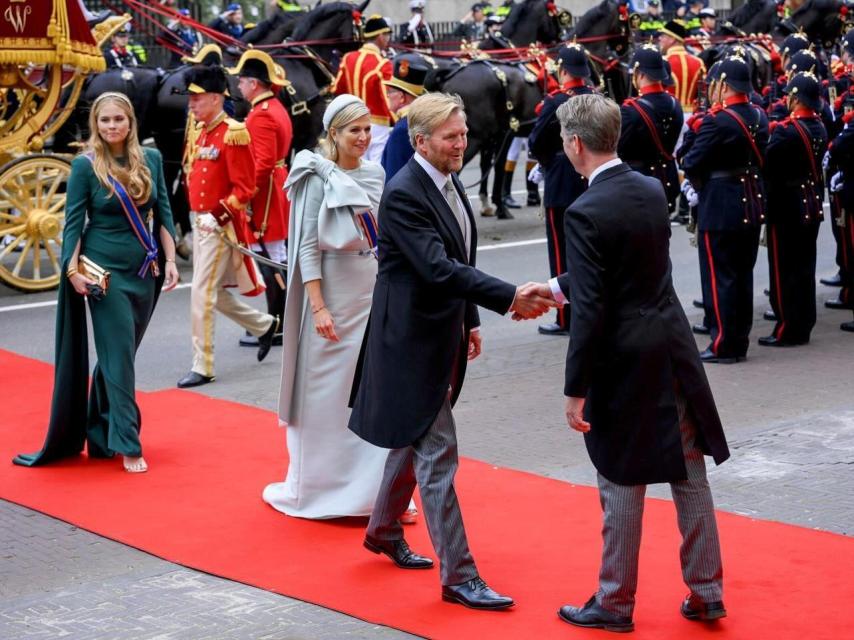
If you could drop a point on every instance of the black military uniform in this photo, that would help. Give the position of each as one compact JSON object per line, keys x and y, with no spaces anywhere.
{"x":795,"y":189}
{"x":563,"y":184}
{"x":651,"y":124}
{"x":841,"y":170}
{"x":724,"y":164}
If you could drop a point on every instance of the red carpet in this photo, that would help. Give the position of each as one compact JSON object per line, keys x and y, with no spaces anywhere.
{"x":535,"y":538}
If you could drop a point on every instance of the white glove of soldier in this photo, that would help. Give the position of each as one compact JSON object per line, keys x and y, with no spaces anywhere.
{"x":836,"y":183}
{"x":206,"y":223}
{"x":825,"y":161}
{"x":690,"y":194}
{"x":536,"y":174}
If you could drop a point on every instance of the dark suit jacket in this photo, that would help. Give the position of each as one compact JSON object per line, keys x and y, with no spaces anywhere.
{"x":630,"y":342}
{"x":423,"y":309}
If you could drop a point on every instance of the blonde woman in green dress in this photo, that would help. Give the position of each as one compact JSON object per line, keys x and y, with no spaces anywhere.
{"x":118,"y":216}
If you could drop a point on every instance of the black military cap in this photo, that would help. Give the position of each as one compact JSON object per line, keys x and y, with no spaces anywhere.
{"x":573,"y":60}
{"x":803,"y":60}
{"x":736,"y":74}
{"x":410,"y":72}
{"x":648,"y":60}
{"x":793,"y":43}
{"x":205,"y":79}
{"x":806,"y":88}
{"x":653,"y":3}
{"x":675,"y":29}
{"x":848,"y":42}
{"x":376,"y":25}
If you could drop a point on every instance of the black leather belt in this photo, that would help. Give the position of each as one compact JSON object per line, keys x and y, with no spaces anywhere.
{"x":731,"y":173}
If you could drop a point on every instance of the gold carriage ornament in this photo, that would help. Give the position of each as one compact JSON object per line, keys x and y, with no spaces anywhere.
{"x":46,"y":52}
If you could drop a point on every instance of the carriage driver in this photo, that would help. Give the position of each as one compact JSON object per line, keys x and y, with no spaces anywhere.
{"x":220,"y":184}
{"x":271,"y":135}
{"x":362,"y":73}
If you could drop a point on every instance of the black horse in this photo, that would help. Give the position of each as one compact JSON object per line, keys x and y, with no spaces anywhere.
{"x":824,"y":21}
{"x":605,"y":32}
{"x":330,"y":30}
{"x":532,"y":21}
{"x":754,"y":16}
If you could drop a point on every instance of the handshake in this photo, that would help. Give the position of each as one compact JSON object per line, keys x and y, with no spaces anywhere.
{"x":532,"y":300}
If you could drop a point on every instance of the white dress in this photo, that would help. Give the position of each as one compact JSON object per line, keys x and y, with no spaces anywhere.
{"x":331,"y":472}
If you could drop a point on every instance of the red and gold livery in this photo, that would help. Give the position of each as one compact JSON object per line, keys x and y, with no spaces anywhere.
{"x":687,"y":71}
{"x":362,"y":74}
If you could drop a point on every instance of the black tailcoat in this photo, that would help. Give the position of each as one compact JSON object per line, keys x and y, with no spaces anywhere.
{"x":630,"y":342}
{"x":424,"y":306}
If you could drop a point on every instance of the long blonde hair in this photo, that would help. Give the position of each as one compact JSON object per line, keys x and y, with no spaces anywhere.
{"x":328,"y":148}
{"x":135,"y":177}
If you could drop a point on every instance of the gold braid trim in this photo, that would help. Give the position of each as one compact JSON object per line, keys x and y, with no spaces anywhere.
{"x":237,"y":134}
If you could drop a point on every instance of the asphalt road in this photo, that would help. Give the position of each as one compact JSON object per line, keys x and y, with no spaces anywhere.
{"x":789,"y":416}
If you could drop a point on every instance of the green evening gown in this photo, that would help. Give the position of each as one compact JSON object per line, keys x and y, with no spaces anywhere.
{"x":109,"y":423}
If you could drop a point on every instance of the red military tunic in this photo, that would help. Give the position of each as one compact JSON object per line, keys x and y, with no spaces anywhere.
{"x":222,"y":168}
{"x":361,"y":74}
{"x":270,"y":128}
{"x":687,"y":72}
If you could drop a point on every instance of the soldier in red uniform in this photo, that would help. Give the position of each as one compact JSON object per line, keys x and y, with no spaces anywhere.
{"x":687,"y":70}
{"x":362,"y":74}
{"x":271,"y":135}
{"x":220,"y":184}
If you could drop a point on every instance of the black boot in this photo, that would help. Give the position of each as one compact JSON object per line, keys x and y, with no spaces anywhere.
{"x":533,"y":194}
{"x":506,"y":198}
{"x":275,"y":295}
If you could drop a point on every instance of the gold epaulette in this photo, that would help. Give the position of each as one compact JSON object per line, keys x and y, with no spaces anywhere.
{"x":237,"y":133}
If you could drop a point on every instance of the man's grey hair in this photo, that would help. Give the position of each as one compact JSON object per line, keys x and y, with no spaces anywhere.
{"x":594,"y":118}
{"x":429,"y":111}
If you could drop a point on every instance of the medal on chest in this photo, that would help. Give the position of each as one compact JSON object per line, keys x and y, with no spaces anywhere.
{"x":209,"y":152}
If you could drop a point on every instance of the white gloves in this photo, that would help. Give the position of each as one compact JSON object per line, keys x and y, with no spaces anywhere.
{"x":536,"y":175}
{"x":206,"y":222}
{"x":836,"y":182}
{"x":690,"y":194}
{"x":825,"y":161}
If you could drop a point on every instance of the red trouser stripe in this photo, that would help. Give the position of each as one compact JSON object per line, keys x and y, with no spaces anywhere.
{"x":776,"y":253}
{"x":720,"y":335}
{"x":561,"y":320}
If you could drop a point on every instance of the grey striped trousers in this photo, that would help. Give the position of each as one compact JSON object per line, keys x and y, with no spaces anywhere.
{"x":622,"y":508}
{"x":430,"y":462}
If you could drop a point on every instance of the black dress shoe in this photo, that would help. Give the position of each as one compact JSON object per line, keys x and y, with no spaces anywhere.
{"x":698,"y":304}
{"x":847,"y":326}
{"x":265,"y":340}
{"x":836,"y":303}
{"x":832,"y":281}
{"x":709,"y":356}
{"x":553,"y":329}
{"x":194,"y":379}
{"x":695,"y":609}
{"x":510,"y":202}
{"x":399,"y":552}
{"x":475,"y":594}
{"x":772,"y":341}
{"x":769,"y":315}
{"x":534,"y":199}
{"x":249,"y":340}
{"x":701,"y":329}
{"x":593,"y":616}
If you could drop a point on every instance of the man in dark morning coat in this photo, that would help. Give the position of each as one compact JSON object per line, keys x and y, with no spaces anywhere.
{"x":634,"y":384}
{"x":424,"y":325}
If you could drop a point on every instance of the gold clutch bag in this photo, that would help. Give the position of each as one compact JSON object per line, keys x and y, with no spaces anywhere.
{"x":94,"y":271}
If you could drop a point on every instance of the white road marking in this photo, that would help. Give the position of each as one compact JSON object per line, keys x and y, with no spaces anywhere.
{"x":508,"y":245}
{"x":184,"y":285}
{"x":52,"y":303}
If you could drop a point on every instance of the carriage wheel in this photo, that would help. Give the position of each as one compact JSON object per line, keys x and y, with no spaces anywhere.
{"x":32,"y":214}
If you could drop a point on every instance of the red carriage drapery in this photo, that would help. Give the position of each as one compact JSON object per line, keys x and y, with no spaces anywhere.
{"x":47,"y":32}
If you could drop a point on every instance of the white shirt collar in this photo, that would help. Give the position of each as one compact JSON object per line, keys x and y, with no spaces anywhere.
{"x":603,"y":167}
{"x":438,"y":178}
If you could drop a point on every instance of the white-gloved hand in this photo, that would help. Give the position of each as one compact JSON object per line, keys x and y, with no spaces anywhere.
{"x":825,"y":161}
{"x":836,"y":182}
{"x":690,"y":193}
{"x":206,"y":223}
{"x":536,"y":174}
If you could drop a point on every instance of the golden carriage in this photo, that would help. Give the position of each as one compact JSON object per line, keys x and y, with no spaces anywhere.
{"x":46,"y":52}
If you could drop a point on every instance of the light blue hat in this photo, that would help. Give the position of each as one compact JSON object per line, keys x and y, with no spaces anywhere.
{"x":339,"y":103}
